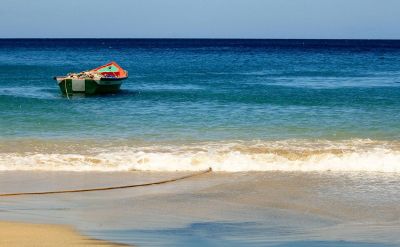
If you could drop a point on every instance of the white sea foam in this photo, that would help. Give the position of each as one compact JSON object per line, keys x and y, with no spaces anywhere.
{"x":355,"y":155}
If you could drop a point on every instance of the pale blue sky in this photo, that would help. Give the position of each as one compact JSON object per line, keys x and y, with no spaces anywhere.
{"x":367,"y":19}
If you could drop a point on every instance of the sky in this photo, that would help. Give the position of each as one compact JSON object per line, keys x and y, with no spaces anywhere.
{"x":286,"y":19}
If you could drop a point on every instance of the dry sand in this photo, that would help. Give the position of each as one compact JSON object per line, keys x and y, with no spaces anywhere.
{"x":24,"y":234}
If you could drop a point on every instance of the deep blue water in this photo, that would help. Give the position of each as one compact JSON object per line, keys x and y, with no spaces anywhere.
{"x":190,"y":90}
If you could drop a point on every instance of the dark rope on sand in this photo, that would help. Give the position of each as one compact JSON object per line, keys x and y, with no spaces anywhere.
{"x":107,"y":188}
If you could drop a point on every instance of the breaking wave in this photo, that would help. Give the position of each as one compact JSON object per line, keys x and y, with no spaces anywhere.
{"x":289,"y":155}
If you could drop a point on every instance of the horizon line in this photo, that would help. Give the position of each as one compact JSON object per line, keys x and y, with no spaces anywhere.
{"x":333,"y":39}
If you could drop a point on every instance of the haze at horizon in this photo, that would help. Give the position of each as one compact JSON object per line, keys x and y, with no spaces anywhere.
{"x":309,"y":19}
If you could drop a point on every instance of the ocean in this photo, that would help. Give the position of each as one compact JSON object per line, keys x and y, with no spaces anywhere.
{"x":279,"y":112}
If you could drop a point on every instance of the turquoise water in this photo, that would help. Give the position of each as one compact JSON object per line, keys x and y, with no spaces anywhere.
{"x":204,"y":91}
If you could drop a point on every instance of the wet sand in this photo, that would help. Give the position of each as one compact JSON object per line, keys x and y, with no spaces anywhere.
{"x":217,"y":209}
{"x":24,"y":234}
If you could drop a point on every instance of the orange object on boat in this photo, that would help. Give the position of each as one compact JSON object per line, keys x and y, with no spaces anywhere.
{"x":111,"y":70}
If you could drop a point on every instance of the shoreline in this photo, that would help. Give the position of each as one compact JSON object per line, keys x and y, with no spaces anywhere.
{"x":26,"y":234}
{"x":313,"y":209}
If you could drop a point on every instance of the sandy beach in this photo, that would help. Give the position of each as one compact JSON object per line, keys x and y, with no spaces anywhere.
{"x":24,"y":234}
{"x":238,"y":209}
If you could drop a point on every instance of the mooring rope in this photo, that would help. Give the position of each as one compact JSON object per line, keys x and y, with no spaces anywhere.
{"x":107,"y":188}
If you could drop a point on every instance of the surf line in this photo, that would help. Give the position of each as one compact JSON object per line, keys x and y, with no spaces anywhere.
{"x":107,"y":188}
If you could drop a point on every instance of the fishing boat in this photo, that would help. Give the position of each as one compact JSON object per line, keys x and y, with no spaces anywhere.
{"x":104,"y":79}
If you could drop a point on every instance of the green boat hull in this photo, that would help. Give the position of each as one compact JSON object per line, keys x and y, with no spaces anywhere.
{"x":89,"y":86}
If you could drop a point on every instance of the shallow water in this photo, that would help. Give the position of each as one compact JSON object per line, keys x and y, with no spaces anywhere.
{"x":218,"y":209}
